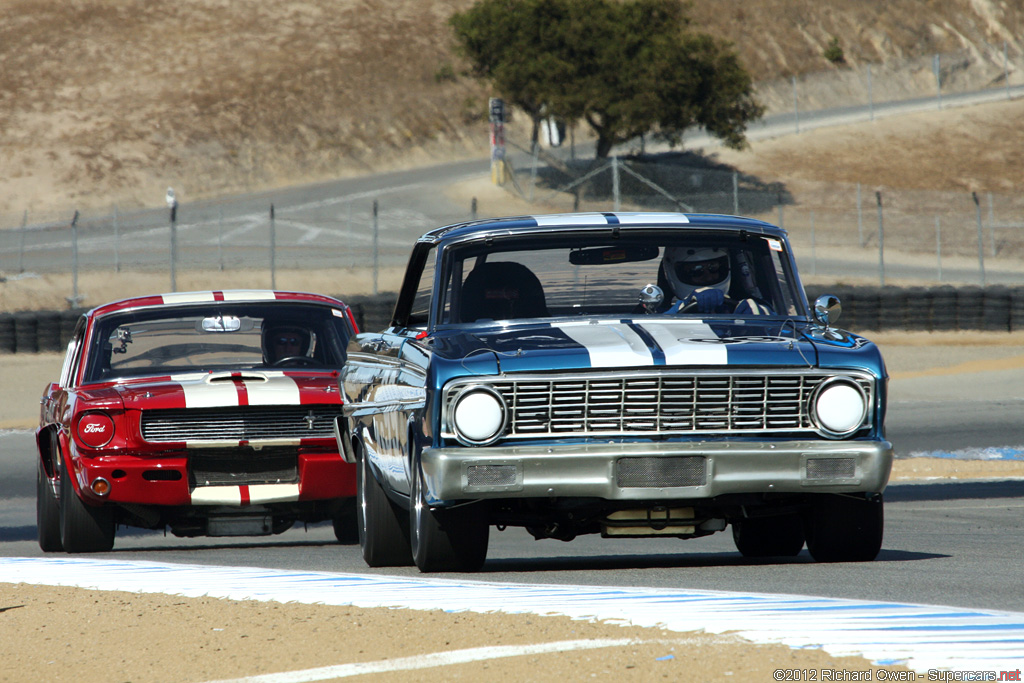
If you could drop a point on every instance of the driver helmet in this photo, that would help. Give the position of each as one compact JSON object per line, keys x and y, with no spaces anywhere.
{"x":282,"y":341}
{"x":691,"y":268}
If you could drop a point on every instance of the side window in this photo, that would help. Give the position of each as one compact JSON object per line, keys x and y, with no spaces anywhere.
{"x":73,"y":357}
{"x":417,"y":292}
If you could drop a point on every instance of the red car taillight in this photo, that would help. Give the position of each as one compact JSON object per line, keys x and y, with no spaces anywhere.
{"x":95,"y":430}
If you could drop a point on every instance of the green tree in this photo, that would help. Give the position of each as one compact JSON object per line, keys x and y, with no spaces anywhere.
{"x":626,"y":68}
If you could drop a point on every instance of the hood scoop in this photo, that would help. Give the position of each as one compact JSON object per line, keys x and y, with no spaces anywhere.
{"x":231,"y":376}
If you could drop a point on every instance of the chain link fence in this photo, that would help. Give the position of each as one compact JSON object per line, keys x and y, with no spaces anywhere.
{"x":841,"y":232}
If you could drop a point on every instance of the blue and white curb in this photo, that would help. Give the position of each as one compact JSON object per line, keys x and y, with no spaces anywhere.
{"x":921,"y":636}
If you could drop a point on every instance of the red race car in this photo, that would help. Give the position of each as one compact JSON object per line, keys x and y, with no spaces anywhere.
{"x":208,"y":413}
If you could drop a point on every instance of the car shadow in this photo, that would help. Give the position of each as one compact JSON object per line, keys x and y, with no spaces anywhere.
{"x":673,"y":561}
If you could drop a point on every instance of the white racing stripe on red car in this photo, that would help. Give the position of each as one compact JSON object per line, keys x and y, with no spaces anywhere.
{"x":245,"y":495}
{"x":188,"y":297}
{"x":609,"y":345}
{"x":683,"y":342}
{"x":210,"y":395}
{"x":261,"y":388}
{"x":279,"y":390}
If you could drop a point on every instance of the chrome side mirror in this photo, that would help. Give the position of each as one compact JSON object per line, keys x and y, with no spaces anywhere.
{"x":827,"y":309}
{"x":651,"y":298}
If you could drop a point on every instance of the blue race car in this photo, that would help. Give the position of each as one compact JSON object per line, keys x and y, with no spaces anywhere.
{"x":622,"y":374}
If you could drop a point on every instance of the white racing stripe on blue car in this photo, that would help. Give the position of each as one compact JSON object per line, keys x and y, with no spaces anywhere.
{"x":682,"y":342}
{"x":609,"y":345}
{"x":921,"y":636}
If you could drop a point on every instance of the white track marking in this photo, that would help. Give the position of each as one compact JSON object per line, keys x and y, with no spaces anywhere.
{"x":476,"y":654}
{"x":921,"y":636}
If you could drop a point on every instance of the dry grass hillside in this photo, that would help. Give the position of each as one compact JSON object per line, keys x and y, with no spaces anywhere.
{"x":111,"y":101}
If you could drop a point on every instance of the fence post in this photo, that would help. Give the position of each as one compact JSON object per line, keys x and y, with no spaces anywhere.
{"x":472,"y":209}
{"x":615,"y":183}
{"x":376,"y":253}
{"x":860,"y":219}
{"x":535,"y":152}
{"x":21,"y":251}
{"x":1006,"y":69}
{"x":991,"y":227}
{"x":273,"y":249}
{"x":117,"y":240}
{"x":220,"y":239}
{"x":796,"y":106}
{"x":814,"y":248}
{"x":174,"y":244}
{"x":871,"y":100}
{"x":981,"y":247}
{"x":936,"y":67}
{"x":881,"y":241}
{"x":735,"y":193}
{"x":74,"y":260}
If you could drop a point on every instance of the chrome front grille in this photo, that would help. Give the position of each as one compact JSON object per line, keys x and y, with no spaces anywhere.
{"x":605,"y":404}
{"x":242,"y":423}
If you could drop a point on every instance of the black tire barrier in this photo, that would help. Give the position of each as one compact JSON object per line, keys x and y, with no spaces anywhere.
{"x":1017,"y":309}
{"x":7,"y":333}
{"x":995,"y":308}
{"x":26,"y":332}
{"x":944,"y":302}
{"x":48,"y":331}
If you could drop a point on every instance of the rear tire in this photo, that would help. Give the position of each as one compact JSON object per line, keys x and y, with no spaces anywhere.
{"x":47,"y":514}
{"x":83,"y":528}
{"x":781,"y":536}
{"x":445,"y":540}
{"x":382,"y":535}
{"x":346,"y":523}
{"x":845,"y":528}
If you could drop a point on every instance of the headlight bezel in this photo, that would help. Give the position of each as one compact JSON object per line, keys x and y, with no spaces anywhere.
{"x":467,"y":392}
{"x":821,"y":390}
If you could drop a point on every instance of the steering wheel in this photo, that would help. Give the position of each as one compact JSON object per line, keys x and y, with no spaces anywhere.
{"x":295,"y":360}
{"x":728,"y":301}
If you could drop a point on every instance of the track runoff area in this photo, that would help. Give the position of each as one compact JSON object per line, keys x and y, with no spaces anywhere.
{"x":937,"y":643}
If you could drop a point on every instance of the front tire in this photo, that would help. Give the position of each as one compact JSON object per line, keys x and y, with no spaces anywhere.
{"x":47,"y":514}
{"x":382,"y":536}
{"x":845,"y":528}
{"x":83,"y":528}
{"x":445,"y":540}
{"x":780,"y":536}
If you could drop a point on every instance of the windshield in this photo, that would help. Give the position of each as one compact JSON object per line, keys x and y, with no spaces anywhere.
{"x":221,"y":336}
{"x":704,"y":274}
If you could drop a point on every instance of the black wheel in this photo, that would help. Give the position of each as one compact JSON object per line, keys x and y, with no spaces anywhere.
{"x":47,"y":513}
{"x":383,"y":536}
{"x":845,"y":528}
{"x":346,"y":523}
{"x":781,"y":536}
{"x":445,"y":540}
{"x":83,"y":528}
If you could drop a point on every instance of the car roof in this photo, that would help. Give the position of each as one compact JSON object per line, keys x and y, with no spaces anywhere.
{"x":618,"y":220}
{"x":229,"y":295}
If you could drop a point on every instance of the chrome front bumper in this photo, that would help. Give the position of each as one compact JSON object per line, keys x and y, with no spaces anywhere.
{"x":655,"y":471}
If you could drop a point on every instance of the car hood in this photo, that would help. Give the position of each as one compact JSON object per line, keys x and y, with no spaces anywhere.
{"x":229,"y":389}
{"x":643,"y":341}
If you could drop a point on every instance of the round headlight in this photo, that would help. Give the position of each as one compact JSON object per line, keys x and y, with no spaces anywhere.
{"x":478,"y":415}
{"x":840,"y":407}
